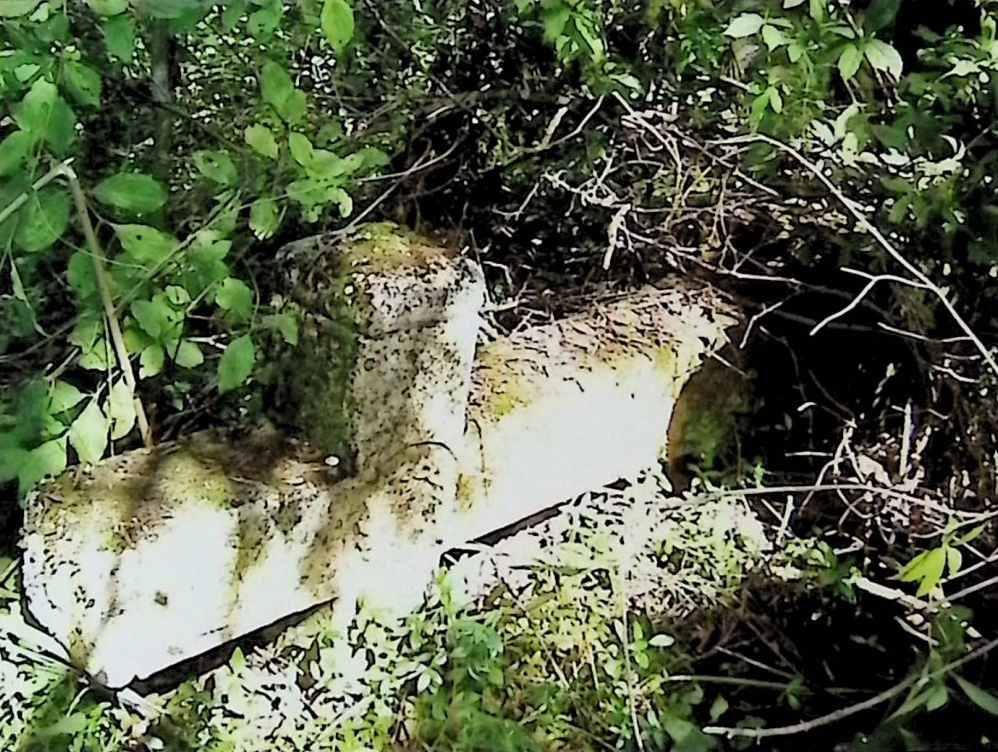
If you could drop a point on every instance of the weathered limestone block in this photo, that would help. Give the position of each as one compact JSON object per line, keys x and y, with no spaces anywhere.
{"x":205,"y":555}
{"x":561,"y":409}
{"x":388,"y":341}
{"x":393,"y":317}
{"x":161,"y":555}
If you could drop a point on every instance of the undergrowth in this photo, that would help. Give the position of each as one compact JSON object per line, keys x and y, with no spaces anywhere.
{"x":631,"y":621}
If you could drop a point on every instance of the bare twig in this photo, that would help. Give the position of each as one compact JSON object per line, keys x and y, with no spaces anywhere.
{"x":927,"y":503}
{"x":874,"y":279}
{"x":851,"y":206}
{"x":64,"y":170}
{"x":838,"y":715}
{"x":627,"y":662}
{"x":56,"y":172}
{"x":974,"y":588}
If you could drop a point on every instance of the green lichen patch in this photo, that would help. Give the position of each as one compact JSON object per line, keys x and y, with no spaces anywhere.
{"x":335,"y":297}
{"x":707,"y":418}
{"x":251,"y":539}
{"x":319,"y":380}
{"x":504,"y":380}
{"x":466,"y":492}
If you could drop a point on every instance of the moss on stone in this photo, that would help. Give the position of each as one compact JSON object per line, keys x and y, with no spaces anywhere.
{"x":465,"y":492}
{"x":249,"y":546}
{"x":182,"y":476}
{"x":318,"y":373}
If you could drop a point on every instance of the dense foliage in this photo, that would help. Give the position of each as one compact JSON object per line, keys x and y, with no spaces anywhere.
{"x":832,"y":163}
{"x":201,"y":134}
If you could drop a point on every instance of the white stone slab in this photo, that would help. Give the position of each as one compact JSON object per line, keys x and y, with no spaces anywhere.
{"x":161,"y":555}
{"x":562,"y":409}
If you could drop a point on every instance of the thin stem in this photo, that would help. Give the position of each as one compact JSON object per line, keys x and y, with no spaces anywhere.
{"x":117,"y":340}
{"x":838,"y":715}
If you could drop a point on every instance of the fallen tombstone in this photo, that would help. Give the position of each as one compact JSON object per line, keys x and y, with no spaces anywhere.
{"x":158,"y":556}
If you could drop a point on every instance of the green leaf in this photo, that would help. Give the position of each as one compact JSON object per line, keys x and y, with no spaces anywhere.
{"x":84,"y":83}
{"x":937,"y":697}
{"x":849,"y":61}
{"x":773,"y":37}
{"x":662,"y":640}
{"x":746,"y":25}
{"x":637,"y":632}
{"x":177,"y":296}
{"x":980,"y":697}
{"x":47,"y":460}
{"x":954,"y":560}
{"x":264,"y":218}
{"x":373,"y":158}
{"x":81,"y":275}
{"x":120,"y":408}
{"x":108,"y":7}
{"x":151,"y":361}
{"x":555,"y":19}
{"x":88,"y":434}
{"x":287,"y":325}
{"x":86,"y":332}
{"x":88,"y":335}
{"x":13,"y":151}
{"x":188,"y":354}
{"x":963,"y":540}
{"x":238,"y":661}
{"x":156,"y":317}
{"x":900,"y":209}
{"x":12,"y":458}
{"x":883,"y":57}
{"x":931,"y":570}
{"x":588,"y":30}
{"x":236,"y":363}
{"x":235,"y":297}
{"x":264,"y":21}
{"x":217,"y":166}
{"x":61,"y":132}
{"x":234,"y":11}
{"x":145,"y":244}
{"x":45,"y":219}
{"x":718,"y":708}
{"x":261,"y":139}
{"x":275,"y":84}
{"x":44,"y":114}
{"x":205,"y":264}
{"x":17,"y":288}
{"x":775,"y":100}
{"x":912,"y":571}
{"x":119,"y":37}
{"x":135,"y":339}
{"x":97,"y":357}
{"x":64,"y":396}
{"x":278,"y":90}
{"x":343,"y":201}
{"x":25,"y":72}
{"x":17,"y":8}
{"x":301,"y":149}
{"x":337,"y":23}
{"x":133,"y":192}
